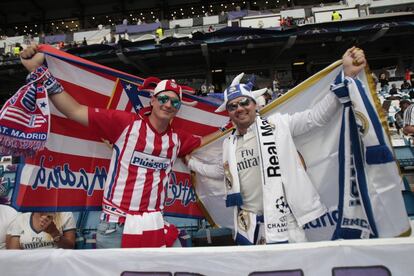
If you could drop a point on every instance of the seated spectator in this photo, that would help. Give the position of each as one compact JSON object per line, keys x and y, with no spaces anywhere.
{"x":84,"y":42}
{"x":104,"y":41}
{"x":407,"y":109}
{"x":42,"y":230}
{"x":405,"y":86}
{"x":393,"y":90}
{"x":383,"y":80}
{"x":7,"y":215}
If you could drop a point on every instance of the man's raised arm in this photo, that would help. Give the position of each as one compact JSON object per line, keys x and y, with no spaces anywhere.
{"x":32,"y":59}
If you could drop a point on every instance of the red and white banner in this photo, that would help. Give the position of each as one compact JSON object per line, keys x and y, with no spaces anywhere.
{"x":69,"y":174}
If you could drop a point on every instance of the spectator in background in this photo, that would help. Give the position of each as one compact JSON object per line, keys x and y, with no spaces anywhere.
{"x":159,"y":32}
{"x":17,"y":49}
{"x":84,"y":42}
{"x":399,"y":116}
{"x":408,"y":124}
{"x":40,"y":230}
{"x":139,"y":22}
{"x":336,"y":16}
{"x":407,"y":75}
{"x":203,"y":89}
{"x":405,"y":86}
{"x":393,"y":90}
{"x":211,"y":88}
{"x":210,"y":29}
{"x":125,"y":21}
{"x":383,"y":80}
{"x":104,"y":41}
{"x":7,"y":216}
{"x":264,"y":99}
{"x":61,"y":45}
{"x":113,"y":38}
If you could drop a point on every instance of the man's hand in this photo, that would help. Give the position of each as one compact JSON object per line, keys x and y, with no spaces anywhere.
{"x":186,"y":159}
{"x":31,"y":58}
{"x":353,"y":61}
{"x":49,"y":226}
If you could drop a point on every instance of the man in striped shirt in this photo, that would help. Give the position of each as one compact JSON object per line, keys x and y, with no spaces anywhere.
{"x":408,"y":124}
{"x":145,"y":147}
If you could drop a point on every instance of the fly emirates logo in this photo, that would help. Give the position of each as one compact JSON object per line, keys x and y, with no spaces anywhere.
{"x":148,"y":161}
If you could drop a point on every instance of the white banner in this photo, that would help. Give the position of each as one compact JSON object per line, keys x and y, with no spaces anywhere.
{"x":380,"y":257}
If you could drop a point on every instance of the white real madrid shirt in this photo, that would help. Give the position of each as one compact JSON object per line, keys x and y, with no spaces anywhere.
{"x":22,"y":227}
{"x":248,"y":167}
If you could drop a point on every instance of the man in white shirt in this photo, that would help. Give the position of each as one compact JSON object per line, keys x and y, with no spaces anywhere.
{"x":262,"y":170}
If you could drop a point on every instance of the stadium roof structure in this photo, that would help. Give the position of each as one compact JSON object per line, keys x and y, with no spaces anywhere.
{"x":386,"y":39}
{"x":41,"y":11}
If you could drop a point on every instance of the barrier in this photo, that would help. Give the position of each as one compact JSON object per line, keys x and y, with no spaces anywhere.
{"x":353,"y":257}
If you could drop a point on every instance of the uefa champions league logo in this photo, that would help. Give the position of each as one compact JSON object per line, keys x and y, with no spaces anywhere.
{"x":281,"y":205}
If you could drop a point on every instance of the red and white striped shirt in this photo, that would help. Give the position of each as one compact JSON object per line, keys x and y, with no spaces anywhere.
{"x":141,"y":161}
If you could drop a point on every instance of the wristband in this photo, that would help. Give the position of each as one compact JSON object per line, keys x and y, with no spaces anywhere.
{"x":57,"y":238}
{"x":42,"y":75}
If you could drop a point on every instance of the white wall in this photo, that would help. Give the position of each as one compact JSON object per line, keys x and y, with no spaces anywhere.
{"x":253,"y":21}
{"x":380,"y":3}
{"x":210,"y":20}
{"x":93,"y":37}
{"x":327,"y":16}
{"x":181,"y":22}
{"x":298,"y":13}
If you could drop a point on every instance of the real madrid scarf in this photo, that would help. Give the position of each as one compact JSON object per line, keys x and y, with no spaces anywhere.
{"x":361,"y":144}
{"x":25,"y":117}
{"x":275,"y":206}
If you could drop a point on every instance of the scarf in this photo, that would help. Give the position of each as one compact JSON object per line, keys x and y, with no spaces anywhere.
{"x":361,"y":144}
{"x":148,"y":230}
{"x":25,"y":117}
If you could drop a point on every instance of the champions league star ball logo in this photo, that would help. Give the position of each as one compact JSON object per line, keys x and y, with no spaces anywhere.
{"x":281,"y":205}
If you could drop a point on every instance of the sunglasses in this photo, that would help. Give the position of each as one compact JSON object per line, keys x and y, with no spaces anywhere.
{"x":243,"y":103}
{"x":175,"y":102}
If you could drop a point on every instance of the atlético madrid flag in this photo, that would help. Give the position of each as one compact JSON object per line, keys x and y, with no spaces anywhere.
{"x":69,"y":174}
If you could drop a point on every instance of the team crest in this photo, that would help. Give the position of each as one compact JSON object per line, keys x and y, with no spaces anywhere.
{"x":228,"y":178}
{"x":362,"y":122}
{"x":243,"y":220}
